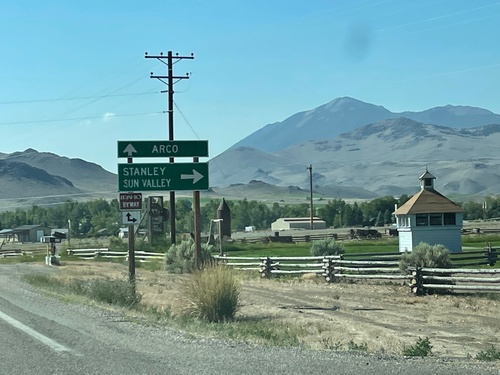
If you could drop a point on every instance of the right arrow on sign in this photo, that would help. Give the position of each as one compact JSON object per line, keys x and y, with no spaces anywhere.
{"x":196,"y":176}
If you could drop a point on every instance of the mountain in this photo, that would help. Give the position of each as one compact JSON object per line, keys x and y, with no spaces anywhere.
{"x":83,"y":174}
{"x":326,"y":121}
{"x":346,"y":114}
{"x":41,"y":178}
{"x":357,"y":150}
{"x":384,"y":158}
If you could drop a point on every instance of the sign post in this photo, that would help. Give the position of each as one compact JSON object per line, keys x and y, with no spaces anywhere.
{"x":160,"y":177}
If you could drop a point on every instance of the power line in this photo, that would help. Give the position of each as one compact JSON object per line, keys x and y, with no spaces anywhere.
{"x":76,"y":98}
{"x":80,"y":118}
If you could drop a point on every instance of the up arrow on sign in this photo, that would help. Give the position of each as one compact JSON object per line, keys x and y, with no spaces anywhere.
{"x":130,"y":150}
{"x":196,"y":176}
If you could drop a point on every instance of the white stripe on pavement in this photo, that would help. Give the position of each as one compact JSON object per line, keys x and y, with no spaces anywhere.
{"x":44,"y":339}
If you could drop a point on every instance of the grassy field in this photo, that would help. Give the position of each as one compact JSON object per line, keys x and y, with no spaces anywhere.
{"x":377,"y":246}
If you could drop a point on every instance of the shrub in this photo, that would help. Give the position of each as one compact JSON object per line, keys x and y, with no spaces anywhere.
{"x":425,"y":255}
{"x":422,"y":348}
{"x":116,"y":292}
{"x":117,"y":244}
{"x":490,"y":354}
{"x":180,"y":257}
{"x":211,"y":294}
{"x":326,"y":247}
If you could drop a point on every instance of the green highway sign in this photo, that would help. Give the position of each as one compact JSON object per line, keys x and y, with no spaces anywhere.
{"x":154,"y":149}
{"x":162,"y":177}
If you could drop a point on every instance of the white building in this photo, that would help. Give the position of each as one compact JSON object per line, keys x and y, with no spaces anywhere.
{"x":286,"y":223}
{"x":429,"y":217}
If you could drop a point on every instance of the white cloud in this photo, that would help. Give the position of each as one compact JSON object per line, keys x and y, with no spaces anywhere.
{"x":107,"y":116}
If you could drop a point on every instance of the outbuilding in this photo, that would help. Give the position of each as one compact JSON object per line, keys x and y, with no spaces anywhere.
{"x":429,"y":217}
{"x":30,"y":233}
{"x":287,"y":223}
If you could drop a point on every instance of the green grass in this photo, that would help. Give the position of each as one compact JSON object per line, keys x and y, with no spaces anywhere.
{"x":481,"y":241}
{"x":303,"y":248}
{"x":116,"y":292}
{"x":38,"y":258}
{"x":262,"y":331}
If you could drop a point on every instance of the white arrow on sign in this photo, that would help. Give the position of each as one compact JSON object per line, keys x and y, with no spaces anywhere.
{"x":196,"y":176}
{"x":130,"y":150}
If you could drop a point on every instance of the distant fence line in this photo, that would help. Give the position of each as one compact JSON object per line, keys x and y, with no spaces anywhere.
{"x":351,"y":234}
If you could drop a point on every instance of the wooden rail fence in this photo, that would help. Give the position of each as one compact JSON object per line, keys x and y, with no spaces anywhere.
{"x":425,"y":280}
{"x":379,"y":266}
{"x":141,"y":256}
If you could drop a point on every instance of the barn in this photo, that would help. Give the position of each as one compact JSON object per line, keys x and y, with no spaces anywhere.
{"x":30,"y":233}
{"x":287,"y":223}
{"x":429,"y":217}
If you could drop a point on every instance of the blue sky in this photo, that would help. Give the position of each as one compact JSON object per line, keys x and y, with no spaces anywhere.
{"x":74,"y":79}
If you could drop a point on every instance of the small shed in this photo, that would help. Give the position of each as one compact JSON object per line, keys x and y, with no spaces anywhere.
{"x":31,"y":233}
{"x":287,"y":223}
{"x":429,"y":217}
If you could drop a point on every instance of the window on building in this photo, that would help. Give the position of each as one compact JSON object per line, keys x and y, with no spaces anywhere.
{"x":436,"y":219}
{"x":450,"y":219}
{"x":422,"y":219}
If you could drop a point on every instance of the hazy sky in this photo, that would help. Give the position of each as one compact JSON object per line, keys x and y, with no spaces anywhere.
{"x":74,"y":79}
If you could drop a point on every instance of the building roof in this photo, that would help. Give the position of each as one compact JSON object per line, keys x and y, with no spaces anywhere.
{"x":4,"y":232}
{"x":427,"y":174}
{"x":428,"y":201}
{"x":27,"y":227}
{"x":300,"y":219}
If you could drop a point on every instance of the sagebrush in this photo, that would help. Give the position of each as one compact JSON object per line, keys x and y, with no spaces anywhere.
{"x":425,"y":255}
{"x":422,"y":348}
{"x":327,"y":247}
{"x":180,"y":258}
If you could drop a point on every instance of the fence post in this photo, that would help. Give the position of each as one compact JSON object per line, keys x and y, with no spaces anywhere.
{"x":328,"y":270}
{"x":265,"y":268}
{"x":416,"y":282}
{"x":492,"y":255}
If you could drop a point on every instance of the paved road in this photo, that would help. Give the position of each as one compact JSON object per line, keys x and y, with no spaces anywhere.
{"x":40,"y":335}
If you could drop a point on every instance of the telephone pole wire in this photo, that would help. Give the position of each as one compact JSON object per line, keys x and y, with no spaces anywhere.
{"x":170,"y":81}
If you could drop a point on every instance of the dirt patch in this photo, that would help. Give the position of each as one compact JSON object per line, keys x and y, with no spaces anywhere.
{"x":382,"y":317}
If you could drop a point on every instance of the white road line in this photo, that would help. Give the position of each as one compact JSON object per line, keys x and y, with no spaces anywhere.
{"x":44,"y":339}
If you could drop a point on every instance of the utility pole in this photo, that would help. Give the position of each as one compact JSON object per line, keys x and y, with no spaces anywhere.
{"x":311,"y":193}
{"x":170,"y":84}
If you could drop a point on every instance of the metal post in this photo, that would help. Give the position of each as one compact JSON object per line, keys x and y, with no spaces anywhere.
{"x":311,"y":195}
{"x":69,"y":233}
{"x":131,"y":249}
{"x":196,"y":224}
